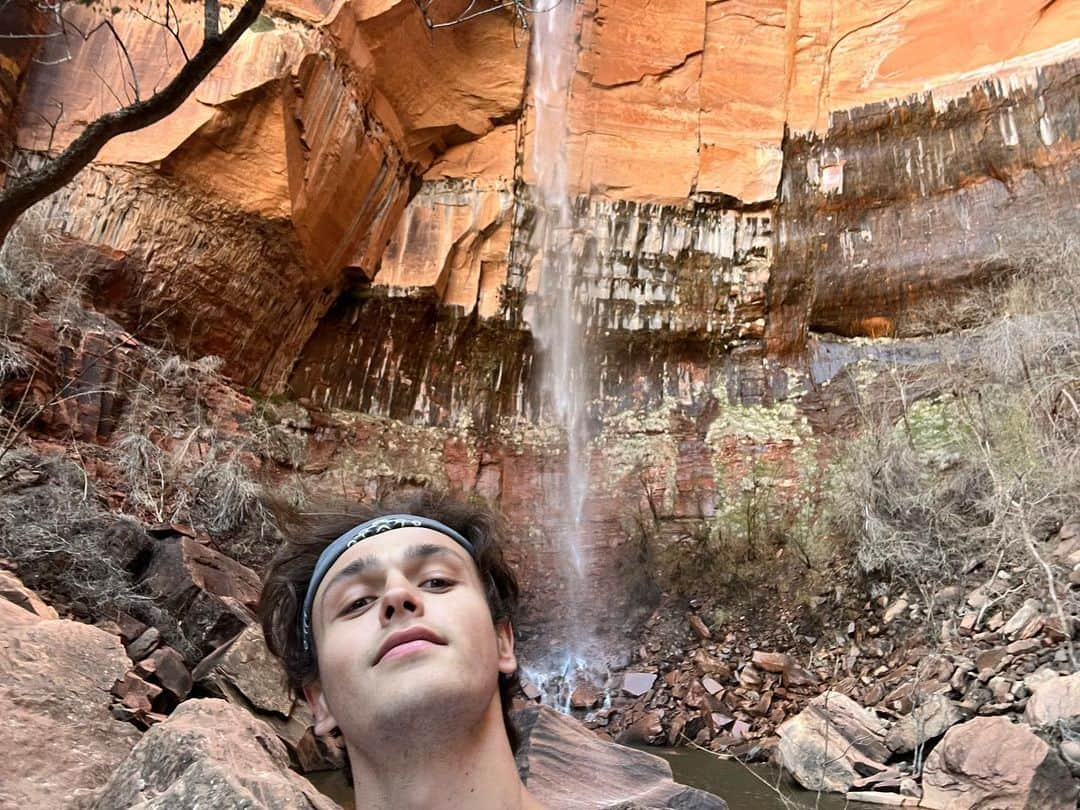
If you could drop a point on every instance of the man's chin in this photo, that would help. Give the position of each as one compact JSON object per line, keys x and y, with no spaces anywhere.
{"x":424,"y":689}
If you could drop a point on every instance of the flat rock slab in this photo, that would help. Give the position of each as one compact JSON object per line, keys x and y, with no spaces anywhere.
{"x":247,"y":666}
{"x":210,"y":754}
{"x":60,"y":741}
{"x":832,"y":743}
{"x":566,"y":766}
{"x":637,"y":684}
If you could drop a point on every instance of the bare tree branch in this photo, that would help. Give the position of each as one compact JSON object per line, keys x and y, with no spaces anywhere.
{"x":522,"y":10}
{"x":22,"y":192}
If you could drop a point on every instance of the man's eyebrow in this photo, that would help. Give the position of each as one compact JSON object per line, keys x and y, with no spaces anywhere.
{"x":362,"y":564}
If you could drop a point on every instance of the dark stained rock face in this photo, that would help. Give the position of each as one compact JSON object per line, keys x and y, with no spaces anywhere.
{"x":900,"y":204}
{"x":210,"y":754}
{"x":565,"y":765}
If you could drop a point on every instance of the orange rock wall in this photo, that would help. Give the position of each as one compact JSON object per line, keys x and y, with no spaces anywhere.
{"x":692,"y":96}
{"x":310,"y":135}
{"x":16,"y":55}
{"x":368,"y":148}
{"x":689,"y":100}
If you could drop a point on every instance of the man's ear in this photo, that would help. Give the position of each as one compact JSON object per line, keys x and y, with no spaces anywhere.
{"x":316,"y":698}
{"x":504,"y":636}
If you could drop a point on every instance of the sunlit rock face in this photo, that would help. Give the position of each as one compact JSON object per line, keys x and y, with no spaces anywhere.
{"x":369,"y":149}
{"x":239,"y":219}
{"x":16,"y":56}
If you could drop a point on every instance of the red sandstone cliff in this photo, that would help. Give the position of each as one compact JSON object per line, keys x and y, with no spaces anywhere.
{"x":351,"y":142}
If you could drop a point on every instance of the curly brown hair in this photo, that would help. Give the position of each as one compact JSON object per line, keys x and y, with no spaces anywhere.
{"x":287,"y":575}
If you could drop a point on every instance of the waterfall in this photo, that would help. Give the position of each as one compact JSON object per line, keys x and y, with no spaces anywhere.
{"x":554,"y":312}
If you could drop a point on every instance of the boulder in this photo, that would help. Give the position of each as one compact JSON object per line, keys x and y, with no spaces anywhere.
{"x":646,"y":730}
{"x":1053,"y":699}
{"x":585,"y":696}
{"x":135,"y":693}
{"x":1028,"y":611}
{"x":990,"y":762}
{"x":245,"y":666}
{"x":243,"y":672}
{"x":210,"y":754}
{"x":212,"y":596}
{"x":926,"y":722}
{"x":832,"y":743}
{"x":166,"y":667}
{"x":144,"y":644}
{"x":12,"y":589}
{"x":772,"y":661}
{"x":782,"y":664}
{"x":566,"y":766}
{"x":60,"y":740}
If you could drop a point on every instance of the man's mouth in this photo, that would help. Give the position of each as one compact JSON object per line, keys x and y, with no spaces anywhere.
{"x":405,"y":642}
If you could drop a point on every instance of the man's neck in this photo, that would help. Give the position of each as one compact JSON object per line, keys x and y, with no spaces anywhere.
{"x":471,"y":768}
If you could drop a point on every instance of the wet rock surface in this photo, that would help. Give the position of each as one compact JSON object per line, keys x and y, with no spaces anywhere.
{"x":566,"y":766}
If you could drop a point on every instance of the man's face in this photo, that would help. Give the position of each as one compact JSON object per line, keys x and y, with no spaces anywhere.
{"x":404,"y":634}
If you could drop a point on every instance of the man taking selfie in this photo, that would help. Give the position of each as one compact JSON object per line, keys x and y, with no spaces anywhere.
{"x":395,"y":620}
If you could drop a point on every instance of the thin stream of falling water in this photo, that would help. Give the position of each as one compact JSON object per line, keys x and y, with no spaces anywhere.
{"x":554,"y":316}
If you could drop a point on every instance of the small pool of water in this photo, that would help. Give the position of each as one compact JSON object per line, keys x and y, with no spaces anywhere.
{"x":746,"y":787}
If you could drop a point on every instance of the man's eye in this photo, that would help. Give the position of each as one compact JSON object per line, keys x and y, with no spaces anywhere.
{"x":438,"y":583}
{"x":358,"y":604}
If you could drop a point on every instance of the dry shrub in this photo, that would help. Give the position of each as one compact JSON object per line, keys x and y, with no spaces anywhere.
{"x":13,"y":360}
{"x":25,"y":270}
{"x":54,"y":528}
{"x":975,"y":459}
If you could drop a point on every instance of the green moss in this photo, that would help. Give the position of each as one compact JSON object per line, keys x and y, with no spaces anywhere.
{"x":759,"y":424}
{"x":934,"y":426}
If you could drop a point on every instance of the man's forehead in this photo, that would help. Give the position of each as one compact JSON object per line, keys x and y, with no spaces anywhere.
{"x":394,"y":547}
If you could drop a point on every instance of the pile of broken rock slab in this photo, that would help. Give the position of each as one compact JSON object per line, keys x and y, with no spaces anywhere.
{"x":989,"y":707}
{"x":109,"y":716}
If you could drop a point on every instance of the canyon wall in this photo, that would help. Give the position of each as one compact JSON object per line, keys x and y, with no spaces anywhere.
{"x":364,"y":157}
{"x":343,"y":213}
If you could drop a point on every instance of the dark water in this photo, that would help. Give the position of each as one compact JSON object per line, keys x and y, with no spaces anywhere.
{"x":744,"y":787}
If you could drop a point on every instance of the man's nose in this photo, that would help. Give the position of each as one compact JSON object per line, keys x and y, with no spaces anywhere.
{"x":400,"y":600}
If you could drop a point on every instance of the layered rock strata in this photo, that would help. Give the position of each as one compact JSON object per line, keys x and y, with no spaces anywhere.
{"x":654,"y":280}
{"x":900,"y":204}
